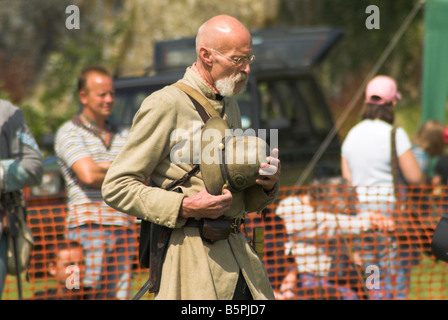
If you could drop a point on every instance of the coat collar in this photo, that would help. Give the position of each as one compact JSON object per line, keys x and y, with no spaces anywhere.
{"x":194,"y":79}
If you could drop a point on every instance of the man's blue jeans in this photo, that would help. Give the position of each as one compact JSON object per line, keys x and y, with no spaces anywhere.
{"x":383,"y":251}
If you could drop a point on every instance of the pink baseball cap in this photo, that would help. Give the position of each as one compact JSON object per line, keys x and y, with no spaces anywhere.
{"x":381,"y":90}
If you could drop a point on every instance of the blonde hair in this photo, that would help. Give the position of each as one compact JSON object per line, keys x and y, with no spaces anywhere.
{"x":430,"y":137}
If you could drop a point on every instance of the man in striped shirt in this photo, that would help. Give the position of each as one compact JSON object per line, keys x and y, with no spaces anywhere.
{"x":86,"y":145}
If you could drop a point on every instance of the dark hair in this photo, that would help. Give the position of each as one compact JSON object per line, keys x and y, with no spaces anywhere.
{"x":82,"y":79}
{"x":53,"y":250}
{"x":334,"y":195}
{"x":383,"y":112}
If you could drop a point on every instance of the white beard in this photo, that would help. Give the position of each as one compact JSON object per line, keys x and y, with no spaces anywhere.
{"x":226,"y":86}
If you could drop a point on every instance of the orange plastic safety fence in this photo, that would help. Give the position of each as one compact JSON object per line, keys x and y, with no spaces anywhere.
{"x":319,"y":243}
{"x":312,"y":253}
{"x":109,"y":262}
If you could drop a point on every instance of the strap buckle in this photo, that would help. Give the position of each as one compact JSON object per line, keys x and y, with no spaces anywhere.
{"x":235,"y":225}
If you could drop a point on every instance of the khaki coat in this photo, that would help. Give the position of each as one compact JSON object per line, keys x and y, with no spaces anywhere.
{"x":192,"y":269}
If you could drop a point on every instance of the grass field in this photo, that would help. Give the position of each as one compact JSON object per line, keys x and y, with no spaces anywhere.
{"x":28,"y":288}
{"x":429,"y":281}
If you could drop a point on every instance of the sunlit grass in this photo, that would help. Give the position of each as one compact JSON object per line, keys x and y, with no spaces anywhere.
{"x":428,"y":281}
{"x":29,"y":288}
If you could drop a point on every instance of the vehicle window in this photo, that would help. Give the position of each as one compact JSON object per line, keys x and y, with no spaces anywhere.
{"x":127,"y":102}
{"x":295,"y":108}
{"x":319,"y":115}
{"x":245,"y":102}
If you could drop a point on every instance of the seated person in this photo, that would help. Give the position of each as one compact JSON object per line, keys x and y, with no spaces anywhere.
{"x":315,"y":223}
{"x":66,"y":265}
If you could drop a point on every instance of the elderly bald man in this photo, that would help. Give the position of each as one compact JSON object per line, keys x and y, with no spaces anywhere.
{"x":193,"y":267}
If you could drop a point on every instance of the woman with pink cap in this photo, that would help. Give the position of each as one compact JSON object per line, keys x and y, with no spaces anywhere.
{"x":366,"y":163}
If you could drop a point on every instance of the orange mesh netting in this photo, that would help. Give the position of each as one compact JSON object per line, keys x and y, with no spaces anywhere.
{"x":309,"y":251}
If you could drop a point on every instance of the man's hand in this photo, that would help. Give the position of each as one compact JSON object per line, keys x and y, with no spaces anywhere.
{"x":288,"y":287}
{"x":205,"y":205}
{"x":270,"y":171}
{"x":381,"y":222}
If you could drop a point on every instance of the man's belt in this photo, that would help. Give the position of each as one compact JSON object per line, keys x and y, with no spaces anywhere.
{"x":213,"y":230}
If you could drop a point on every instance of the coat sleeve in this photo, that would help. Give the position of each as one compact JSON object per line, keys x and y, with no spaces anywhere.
{"x":256,"y":199}
{"x":146,"y":150}
{"x":21,"y":165}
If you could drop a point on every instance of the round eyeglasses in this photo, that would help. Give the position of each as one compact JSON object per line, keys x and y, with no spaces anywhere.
{"x":238,"y":61}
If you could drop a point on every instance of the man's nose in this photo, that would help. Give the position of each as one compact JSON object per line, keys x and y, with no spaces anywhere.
{"x":109,"y":97}
{"x":245,"y":67}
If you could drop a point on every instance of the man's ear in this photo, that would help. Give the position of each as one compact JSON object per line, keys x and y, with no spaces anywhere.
{"x":205,"y":56}
{"x":83,"y":96}
{"x":51,"y":269}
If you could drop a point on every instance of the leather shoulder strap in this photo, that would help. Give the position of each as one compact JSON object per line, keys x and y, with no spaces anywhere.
{"x":192,"y":93}
{"x":205,"y":110}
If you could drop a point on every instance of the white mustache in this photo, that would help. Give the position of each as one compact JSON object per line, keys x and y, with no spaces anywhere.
{"x":240,"y":77}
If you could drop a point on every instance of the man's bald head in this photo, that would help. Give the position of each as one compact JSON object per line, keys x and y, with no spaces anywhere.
{"x":224,"y":52}
{"x":222,"y":32}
